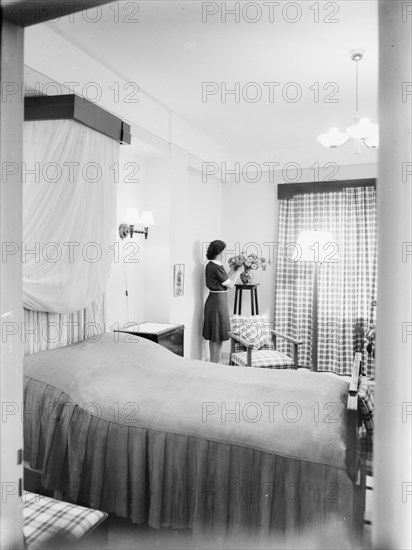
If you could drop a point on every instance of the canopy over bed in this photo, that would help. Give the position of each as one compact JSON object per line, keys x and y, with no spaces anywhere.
{"x":70,"y":172}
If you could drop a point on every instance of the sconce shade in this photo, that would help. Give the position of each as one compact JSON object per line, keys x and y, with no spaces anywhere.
{"x":147,"y":219}
{"x":315,"y":246}
{"x":131,"y":217}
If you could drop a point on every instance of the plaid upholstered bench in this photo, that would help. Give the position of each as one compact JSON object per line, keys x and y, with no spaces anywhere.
{"x":48,"y":521}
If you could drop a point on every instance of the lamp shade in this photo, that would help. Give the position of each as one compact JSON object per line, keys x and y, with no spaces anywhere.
{"x":147,"y":219}
{"x":363,"y":129}
{"x":132,"y":216}
{"x":334,"y":138}
{"x":316,"y":246}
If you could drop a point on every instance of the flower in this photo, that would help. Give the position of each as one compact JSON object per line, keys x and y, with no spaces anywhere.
{"x":251,"y":261}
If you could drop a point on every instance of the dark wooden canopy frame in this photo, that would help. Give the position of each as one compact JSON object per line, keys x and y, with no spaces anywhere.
{"x":76,"y":108}
{"x":289,"y":190}
{"x":30,"y":12}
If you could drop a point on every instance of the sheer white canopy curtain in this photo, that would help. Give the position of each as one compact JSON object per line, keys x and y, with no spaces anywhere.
{"x":69,"y":220}
{"x":346,"y":287}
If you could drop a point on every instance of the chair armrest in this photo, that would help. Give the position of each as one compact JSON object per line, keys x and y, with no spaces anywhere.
{"x":240,"y":340}
{"x":352,"y":426}
{"x":354,"y":383}
{"x":288,"y":338}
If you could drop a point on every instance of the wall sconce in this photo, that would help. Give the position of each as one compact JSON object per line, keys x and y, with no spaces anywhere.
{"x":132,"y":219}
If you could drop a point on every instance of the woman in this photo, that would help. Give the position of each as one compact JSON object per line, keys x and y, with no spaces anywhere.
{"x":216,"y":316}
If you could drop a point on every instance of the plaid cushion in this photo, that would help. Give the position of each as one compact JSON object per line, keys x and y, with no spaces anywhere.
{"x":255,"y":329}
{"x":269,"y":359}
{"x":45,"y":518}
{"x":365,"y":449}
{"x":268,"y":345}
{"x":366,"y":403}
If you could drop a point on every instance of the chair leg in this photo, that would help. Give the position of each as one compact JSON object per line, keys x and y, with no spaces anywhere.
{"x":295,"y":355}
{"x":232,"y":349}
{"x":359,"y":494}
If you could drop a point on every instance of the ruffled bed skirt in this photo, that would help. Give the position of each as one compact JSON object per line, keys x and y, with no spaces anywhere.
{"x":177,"y":481}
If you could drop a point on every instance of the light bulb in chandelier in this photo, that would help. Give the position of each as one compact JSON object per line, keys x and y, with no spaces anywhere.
{"x":372,"y":142}
{"x":334,"y":138}
{"x":363,"y":129}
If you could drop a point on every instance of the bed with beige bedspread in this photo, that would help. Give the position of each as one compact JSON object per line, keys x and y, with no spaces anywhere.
{"x":129,"y":428}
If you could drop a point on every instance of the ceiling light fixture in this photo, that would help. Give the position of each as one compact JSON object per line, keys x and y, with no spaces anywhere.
{"x":362,"y":130}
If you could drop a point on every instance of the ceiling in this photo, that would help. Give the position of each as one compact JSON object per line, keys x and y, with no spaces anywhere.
{"x":171,"y":49}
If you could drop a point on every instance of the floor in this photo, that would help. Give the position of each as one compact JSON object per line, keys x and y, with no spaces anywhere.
{"x":367,"y":529}
{"x":121,"y":534}
{"x":126,"y":537}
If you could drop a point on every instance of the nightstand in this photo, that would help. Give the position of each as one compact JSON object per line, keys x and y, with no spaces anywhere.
{"x":167,"y":335}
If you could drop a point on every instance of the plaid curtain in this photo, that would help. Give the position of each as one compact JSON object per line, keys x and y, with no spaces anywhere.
{"x":346,"y":289}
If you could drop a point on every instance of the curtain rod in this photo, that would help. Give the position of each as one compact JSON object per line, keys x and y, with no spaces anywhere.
{"x":289,"y":190}
{"x":73,"y":107}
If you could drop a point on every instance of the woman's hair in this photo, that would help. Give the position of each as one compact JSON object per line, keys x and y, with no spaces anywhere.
{"x":214,"y":249}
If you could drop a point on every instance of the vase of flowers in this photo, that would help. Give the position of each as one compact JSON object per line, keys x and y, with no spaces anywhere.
{"x":247,"y":276}
{"x":251,"y":262}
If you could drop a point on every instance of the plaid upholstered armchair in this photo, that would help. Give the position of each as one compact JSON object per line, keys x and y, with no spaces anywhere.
{"x":253,"y":344}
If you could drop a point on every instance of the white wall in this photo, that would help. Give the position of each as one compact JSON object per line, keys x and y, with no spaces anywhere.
{"x":157,"y":283}
{"x":187,"y":214}
{"x":204,"y":225}
{"x":128,"y":256}
{"x":249,"y":224}
{"x":50,"y":57}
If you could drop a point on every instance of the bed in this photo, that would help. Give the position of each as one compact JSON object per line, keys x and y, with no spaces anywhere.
{"x":125,"y":426}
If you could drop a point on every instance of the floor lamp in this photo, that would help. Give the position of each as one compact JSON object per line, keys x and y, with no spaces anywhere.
{"x":316,"y":247}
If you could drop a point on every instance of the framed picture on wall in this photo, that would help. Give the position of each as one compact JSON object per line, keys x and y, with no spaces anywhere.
{"x":178,"y":279}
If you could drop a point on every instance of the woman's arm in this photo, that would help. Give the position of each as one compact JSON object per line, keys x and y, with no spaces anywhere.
{"x":234,"y":275}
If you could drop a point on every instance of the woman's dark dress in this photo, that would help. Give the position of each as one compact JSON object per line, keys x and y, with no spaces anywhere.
{"x":216,"y":323}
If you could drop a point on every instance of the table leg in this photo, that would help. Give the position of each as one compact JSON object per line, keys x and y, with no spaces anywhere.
{"x":252,"y":301}
{"x":256,"y":301}
{"x":235,"y":308}
{"x":240,"y":300}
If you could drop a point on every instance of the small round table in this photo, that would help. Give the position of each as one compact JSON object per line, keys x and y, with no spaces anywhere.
{"x":254,"y":307}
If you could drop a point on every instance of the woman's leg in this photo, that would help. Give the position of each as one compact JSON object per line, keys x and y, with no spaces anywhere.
{"x":215,"y":351}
